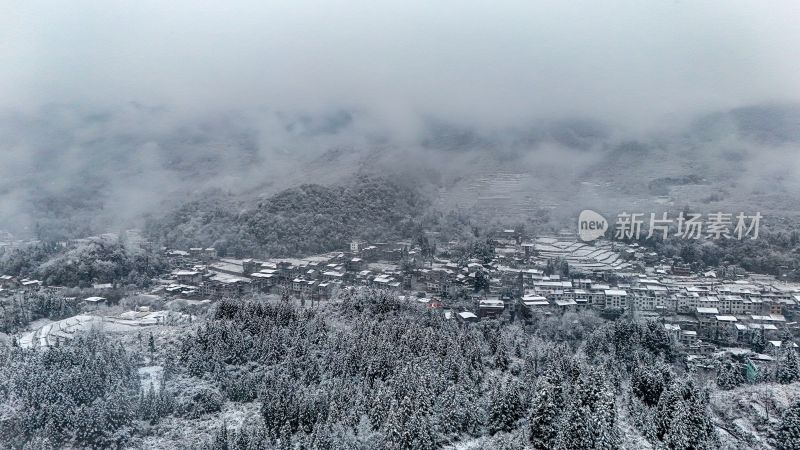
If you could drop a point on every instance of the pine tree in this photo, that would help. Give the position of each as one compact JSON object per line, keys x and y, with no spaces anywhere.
{"x":576,"y":431}
{"x":481,"y":282}
{"x":507,"y":406}
{"x":656,"y":339}
{"x":147,"y":405}
{"x":604,"y":422}
{"x":379,"y":406}
{"x":321,"y":438}
{"x":152,"y":344}
{"x":683,"y":420}
{"x":221,"y":438}
{"x":789,"y":432}
{"x":543,"y":422}
{"x":667,"y":405}
{"x":422,"y":432}
{"x":788,"y":367}
{"x":396,"y":428}
{"x":729,"y":376}
{"x":678,"y":436}
{"x":759,"y":342}
{"x":648,"y":383}
{"x":501,"y":359}
{"x":285,"y":436}
{"x":701,"y":427}
{"x":170,"y":368}
{"x":457,"y":411}
{"x":39,"y":443}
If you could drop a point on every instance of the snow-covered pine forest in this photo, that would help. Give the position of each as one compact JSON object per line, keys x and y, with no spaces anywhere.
{"x":375,"y":371}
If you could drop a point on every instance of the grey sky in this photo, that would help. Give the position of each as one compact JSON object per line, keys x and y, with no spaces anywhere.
{"x":125,"y":105}
{"x":485,"y":63}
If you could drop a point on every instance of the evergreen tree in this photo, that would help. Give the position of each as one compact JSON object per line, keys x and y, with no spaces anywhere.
{"x":678,"y":437}
{"x":285,"y":436}
{"x":656,"y":340}
{"x":759,"y":342}
{"x":152,"y":344}
{"x":481,"y":282}
{"x":648,"y":382}
{"x":788,"y":437}
{"x":683,"y":420}
{"x":604,"y":421}
{"x":788,"y":370}
{"x":576,"y":431}
{"x":544,"y":419}
{"x":507,"y":406}
{"x":456,"y":411}
{"x":729,"y":376}
{"x":221,"y":438}
{"x":397,"y":429}
{"x":39,"y":443}
{"x":501,"y":358}
{"x":422,"y":432}
{"x":667,"y":405}
{"x":321,"y":437}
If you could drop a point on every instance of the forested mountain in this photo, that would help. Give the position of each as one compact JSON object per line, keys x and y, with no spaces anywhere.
{"x":101,"y":259}
{"x":307,"y":219}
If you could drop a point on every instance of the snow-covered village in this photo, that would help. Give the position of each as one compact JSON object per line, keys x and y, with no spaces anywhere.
{"x":626,"y":318}
{"x":400,"y":225}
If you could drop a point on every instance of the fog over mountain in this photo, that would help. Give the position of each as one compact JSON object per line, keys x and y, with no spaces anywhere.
{"x":400,"y":224}
{"x":124,"y":110}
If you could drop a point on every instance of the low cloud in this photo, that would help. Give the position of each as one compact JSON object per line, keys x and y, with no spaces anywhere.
{"x":134,"y":104}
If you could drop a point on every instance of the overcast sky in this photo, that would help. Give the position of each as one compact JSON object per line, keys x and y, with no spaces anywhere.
{"x":502,"y":62}
{"x":242,"y":89}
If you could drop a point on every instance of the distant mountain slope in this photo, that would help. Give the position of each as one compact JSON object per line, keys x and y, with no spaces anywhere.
{"x":746,"y":159}
{"x":70,"y":173}
{"x":306,"y":219}
{"x":773,"y":124}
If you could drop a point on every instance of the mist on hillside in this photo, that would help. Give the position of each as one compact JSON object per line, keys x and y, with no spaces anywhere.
{"x":110,"y":114}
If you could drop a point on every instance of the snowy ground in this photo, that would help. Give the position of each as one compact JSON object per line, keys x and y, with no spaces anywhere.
{"x":150,"y":376}
{"x":631,"y":437}
{"x":181,"y":433}
{"x":46,"y":333}
{"x":744,"y":416}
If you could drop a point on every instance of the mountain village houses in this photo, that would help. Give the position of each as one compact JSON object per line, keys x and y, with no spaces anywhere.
{"x":617,"y":278}
{"x":523,"y":278}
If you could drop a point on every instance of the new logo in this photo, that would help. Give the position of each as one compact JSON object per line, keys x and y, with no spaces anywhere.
{"x":591,"y":225}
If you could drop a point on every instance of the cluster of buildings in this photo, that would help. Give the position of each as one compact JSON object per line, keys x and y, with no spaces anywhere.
{"x":693,"y":308}
{"x":544,"y":275}
{"x":10,"y":284}
{"x":314,"y":277}
{"x":539,"y":276}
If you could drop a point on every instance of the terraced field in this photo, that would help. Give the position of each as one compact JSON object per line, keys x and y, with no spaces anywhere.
{"x":597,"y":257}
